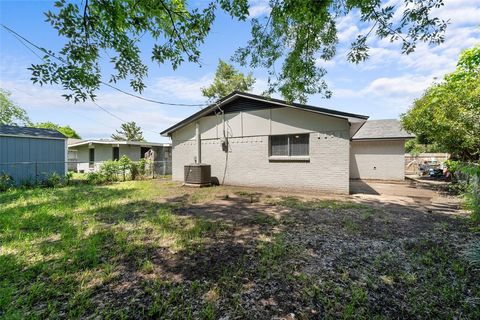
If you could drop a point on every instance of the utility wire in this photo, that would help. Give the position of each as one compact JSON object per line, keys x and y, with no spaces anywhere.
{"x":110,"y":113}
{"x":49,"y":53}
{"x":21,"y":40}
{"x":117,"y":117}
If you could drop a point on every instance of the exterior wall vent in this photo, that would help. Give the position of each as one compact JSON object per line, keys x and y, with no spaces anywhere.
{"x":197,"y":174}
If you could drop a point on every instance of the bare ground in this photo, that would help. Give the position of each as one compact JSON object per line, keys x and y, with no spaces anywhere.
{"x":389,"y":250}
{"x":394,"y":252}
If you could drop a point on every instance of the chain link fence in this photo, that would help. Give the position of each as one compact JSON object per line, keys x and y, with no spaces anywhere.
{"x":38,"y":171}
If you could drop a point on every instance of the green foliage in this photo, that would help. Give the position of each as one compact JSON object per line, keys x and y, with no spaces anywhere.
{"x":448,"y":114}
{"x":142,"y":166}
{"x":95,"y":178}
{"x":125,"y":165}
{"x":466,"y":178}
{"x":134,"y":170}
{"x":53,"y":180}
{"x":10,"y":113}
{"x":227,"y":79}
{"x":300,"y":34}
{"x":67,"y":131}
{"x":472,"y":196}
{"x":415,"y":147}
{"x":110,"y":170}
{"x":68,"y":178}
{"x":6,"y":182}
{"x":473,"y":254}
{"x":129,"y":132}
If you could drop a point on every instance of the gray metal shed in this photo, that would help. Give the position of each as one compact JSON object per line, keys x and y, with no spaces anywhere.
{"x":31,"y":154}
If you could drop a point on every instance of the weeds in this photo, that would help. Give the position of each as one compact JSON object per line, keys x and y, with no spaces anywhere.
{"x":143,"y":249}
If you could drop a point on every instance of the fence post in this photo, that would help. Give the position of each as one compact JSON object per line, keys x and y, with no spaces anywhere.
{"x":164,"y":167}
{"x":36,"y":172}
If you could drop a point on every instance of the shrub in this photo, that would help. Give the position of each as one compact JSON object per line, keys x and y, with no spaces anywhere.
{"x":68,"y":178}
{"x":125,"y":165}
{"x":134,"y":170}
{"x":6,"y":182}
{"x":142,"y":167}
{"x":51,"y":181}
{"x":28,"y":183}
{"x":473,"y":254}
{"x":110,"y":170}
{"x":466,"y":180}
{"x":95,"y":178}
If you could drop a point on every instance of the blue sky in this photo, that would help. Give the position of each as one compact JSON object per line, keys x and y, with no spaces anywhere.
{"x":383,"y":87}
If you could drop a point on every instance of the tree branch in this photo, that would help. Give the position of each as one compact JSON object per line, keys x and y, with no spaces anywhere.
{"x":169,"y":12}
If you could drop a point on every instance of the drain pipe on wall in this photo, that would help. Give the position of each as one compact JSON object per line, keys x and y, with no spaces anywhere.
{"x":199,"y":142}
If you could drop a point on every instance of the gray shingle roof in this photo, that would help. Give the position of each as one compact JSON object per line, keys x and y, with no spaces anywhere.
{"x":27,"y":131}
{"x":382,"y":129}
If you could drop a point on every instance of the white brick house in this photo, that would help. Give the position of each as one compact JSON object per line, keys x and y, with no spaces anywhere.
{"x":254,"y":141}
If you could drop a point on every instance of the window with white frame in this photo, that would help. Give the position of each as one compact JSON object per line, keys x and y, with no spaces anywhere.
{"x":289,"y":145}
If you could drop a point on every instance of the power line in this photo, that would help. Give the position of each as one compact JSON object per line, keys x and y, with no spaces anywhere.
{"x":151,"y":100}
{"x":117,"y":117}
{"x":107,"y":111}
{"x":19,"y":37}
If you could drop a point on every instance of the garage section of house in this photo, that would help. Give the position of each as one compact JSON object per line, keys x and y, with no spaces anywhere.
{"x":377,"y":151}
{"x":251,"y":140}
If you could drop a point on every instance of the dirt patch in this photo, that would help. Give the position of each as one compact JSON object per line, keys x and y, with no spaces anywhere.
{"x":333,"y":259}
{"x":244,"y":253}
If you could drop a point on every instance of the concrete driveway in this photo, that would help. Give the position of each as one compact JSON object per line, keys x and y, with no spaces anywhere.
{"x":405,"y":193}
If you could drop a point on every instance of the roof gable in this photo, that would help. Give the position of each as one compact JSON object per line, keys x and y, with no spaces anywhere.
{"x":30,"y":132}
{"x":244,"y":104}
{"x":241,"y":101}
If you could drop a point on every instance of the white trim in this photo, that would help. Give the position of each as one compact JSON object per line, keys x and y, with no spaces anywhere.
{"x":133,"y":143}
{"x":289,"y":158}
{"x":382,"y":139}
{"x":27,"y":136}
{"x":66,"y":156}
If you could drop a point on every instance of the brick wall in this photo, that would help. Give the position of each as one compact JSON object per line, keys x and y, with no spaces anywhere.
{"x":248,"y":162}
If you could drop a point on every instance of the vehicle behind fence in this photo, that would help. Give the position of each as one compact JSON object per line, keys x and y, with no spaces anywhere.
{"x":36,"y":172}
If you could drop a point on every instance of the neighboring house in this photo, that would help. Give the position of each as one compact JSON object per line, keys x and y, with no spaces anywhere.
{"x":377,"y":151}
{"x":92,"y":153}
{"x":72,"y":157}
{"x":31,"y":154}
{"x":251,"y":140}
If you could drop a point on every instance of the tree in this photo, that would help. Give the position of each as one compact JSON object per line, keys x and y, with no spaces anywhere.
{"x":67,"y":131}
{"x":10,"y":113}
{"x":227,"y":79}
{"x":448,"y":114}
{"x":299,"y":34}
{"x":416,"y":146}
{"x":129,"y":132}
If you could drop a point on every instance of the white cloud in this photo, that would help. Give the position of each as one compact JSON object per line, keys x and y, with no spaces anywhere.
{"x":180,"y":87}
{"x":347,"y":28}
{"x":407,"y":85}
{"x":258,"y":8}
{"x":260,"y":86}
{"x":46,"y":104}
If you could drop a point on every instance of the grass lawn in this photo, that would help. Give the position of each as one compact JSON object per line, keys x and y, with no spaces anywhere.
{"x":154,"y":249}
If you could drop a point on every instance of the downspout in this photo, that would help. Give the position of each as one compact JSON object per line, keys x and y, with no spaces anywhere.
{"x":199,"y":142}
